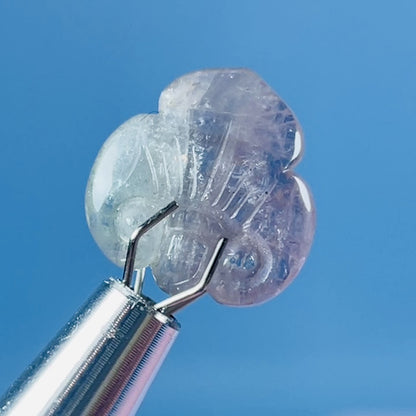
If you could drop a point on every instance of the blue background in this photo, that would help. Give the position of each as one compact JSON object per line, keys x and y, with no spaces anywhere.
{"x":342,"y":339}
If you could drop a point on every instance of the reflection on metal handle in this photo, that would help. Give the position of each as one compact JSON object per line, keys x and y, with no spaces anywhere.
{"x":101,"y":363}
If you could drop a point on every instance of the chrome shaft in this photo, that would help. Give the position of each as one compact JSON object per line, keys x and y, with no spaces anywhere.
{"x":101,"y":363}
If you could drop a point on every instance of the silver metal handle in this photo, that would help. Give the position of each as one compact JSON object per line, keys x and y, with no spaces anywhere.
{"x":101,"y":363}
{"x":104,"y":360}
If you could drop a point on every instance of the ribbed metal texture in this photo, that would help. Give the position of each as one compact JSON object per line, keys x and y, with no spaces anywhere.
{"x":101,"y":363}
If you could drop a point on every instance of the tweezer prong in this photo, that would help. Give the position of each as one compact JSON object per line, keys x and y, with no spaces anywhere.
{"x":173,"y":304}
{"x":134,"y":239}
{"x":138,"y":281}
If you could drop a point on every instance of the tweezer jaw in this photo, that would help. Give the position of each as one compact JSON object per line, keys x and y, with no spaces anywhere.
{"x":173,"y":304}
{"x":176,"y":302}
{"x":132,"y":247}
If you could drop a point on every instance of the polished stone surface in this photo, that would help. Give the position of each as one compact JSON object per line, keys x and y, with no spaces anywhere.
{"x":223,"y":145}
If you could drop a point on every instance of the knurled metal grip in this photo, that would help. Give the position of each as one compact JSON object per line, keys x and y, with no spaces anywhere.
{"x":101,"y":363}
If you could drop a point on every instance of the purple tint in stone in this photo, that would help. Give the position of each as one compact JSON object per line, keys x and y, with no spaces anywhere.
{"x":243,"y":140}
{"x":223,"y":146}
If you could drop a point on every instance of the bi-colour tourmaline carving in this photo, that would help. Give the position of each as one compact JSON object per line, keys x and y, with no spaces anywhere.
{"x":223,"y":146}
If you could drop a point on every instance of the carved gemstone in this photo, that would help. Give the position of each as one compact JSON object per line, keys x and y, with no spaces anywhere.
{"x":223,"y":146}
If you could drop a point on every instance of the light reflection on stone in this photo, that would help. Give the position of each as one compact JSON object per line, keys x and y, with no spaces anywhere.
{"x":223,"y":145}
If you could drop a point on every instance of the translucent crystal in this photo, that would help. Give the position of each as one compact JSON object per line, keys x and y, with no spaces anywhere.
{"x":222,"y":145}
